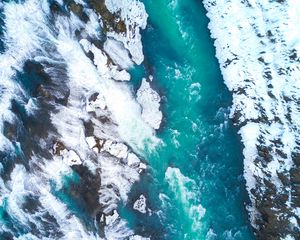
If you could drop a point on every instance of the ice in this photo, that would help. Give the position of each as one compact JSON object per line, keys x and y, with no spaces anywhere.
{"x":133,"y":13}
{"x":118,"y":150}
{"x":91,"y":142}
{"x":140,"y":204}
{"x":132,"y":159}
{"x":150,"y":102}
{"x":118,"y":53}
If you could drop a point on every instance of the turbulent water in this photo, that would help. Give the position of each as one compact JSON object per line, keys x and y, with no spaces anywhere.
{"x":116,"y":124}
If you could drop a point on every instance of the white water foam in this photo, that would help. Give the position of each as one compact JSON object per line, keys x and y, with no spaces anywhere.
{"x":187,"y":193}
{"x":25,"y":22}
{"x":27,"y":34}
{"x":119,"y":100}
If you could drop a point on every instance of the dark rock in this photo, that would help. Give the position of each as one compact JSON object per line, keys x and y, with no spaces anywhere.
{"x":284,"y":178}
{"x":264,"y":152}
{"x":89,"y":128}
{"x":111,"y":21}
{"x":78,"y":10}
{"x":86,"y":191}
{"x":94,"y":96}
{"x":295,"y":176}
{"x":296,"y":158}
{"x":58,"y":147}
{"x":281,"y":153}
{"x":293,"y":55}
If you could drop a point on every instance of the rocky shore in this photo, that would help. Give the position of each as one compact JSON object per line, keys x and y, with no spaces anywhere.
{"x":258,"y":49}
{"x":83,"y":131}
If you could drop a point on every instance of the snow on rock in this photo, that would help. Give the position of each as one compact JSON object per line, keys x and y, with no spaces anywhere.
{"x":140,"y":204}
{"x":118,"y":53}
{"x":258,"y":48}
{"x":132,"y":159}
{"x":122,"y":75}
{"x":69,"y":157}
{"x":112,"y":218}
{"x":119,"y":150}
{"x":94,"y":143}
{"x":150,"y":103}
{"x":98,"y":102}
{"x":91,"y":141}
{"x":134,"y":15}
{"x":142,"y":167}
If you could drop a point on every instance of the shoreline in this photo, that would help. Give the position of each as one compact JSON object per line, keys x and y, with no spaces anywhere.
{"x":259,"y":107}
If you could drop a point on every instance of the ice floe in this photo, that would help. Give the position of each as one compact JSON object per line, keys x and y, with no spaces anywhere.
{"x":140,"y":204}
{"x":150,"y":103}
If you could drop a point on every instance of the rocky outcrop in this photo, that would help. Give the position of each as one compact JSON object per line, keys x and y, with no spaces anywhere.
{"x":149,"y":100}
{"x":257,"y":45}
{"x":140,"y":204}
{"x":71,"y":156}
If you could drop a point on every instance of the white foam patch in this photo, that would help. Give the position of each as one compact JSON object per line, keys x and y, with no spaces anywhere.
{"x":119,"y":100}
{"x":15,"y":198}
{"x":186,"y":192}
{"x":29,"y":236}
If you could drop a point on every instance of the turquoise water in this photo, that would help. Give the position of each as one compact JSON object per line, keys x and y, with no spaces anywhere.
{"x":202,"y":194}
{"x":194,"y":187}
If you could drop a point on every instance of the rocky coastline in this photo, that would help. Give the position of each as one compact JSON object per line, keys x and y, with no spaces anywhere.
{"x":258,"y":50}
{"x":84,"y":105}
